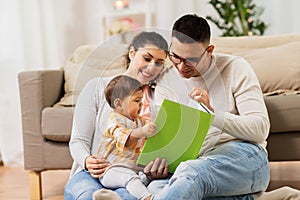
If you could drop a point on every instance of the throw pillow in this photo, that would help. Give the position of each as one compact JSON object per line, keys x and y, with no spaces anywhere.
{"x":88,"y":62}
{"x":277,"y":67}
{"x":255,"y":42}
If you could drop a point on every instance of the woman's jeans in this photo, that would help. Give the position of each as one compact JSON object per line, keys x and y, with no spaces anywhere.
{"x":234,"y":168}
{"x":82,"y":186}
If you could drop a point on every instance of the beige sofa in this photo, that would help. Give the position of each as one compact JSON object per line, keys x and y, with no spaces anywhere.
{"x":48,"y":98}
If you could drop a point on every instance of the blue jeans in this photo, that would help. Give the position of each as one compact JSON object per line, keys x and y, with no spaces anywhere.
{"x":235,"y":170}
{"x":82,"y":186}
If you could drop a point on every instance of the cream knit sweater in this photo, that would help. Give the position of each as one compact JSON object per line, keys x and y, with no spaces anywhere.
{"x":235,"y":95}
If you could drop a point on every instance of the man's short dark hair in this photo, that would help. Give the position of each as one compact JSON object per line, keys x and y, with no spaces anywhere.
{"x":121,"y":87}
{"x":191,"y":28}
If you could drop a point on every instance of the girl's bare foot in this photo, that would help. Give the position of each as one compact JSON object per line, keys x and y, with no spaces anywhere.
{"x":104,"y":194}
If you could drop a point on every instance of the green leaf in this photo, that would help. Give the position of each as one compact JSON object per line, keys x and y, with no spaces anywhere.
{"x":234,"y":15}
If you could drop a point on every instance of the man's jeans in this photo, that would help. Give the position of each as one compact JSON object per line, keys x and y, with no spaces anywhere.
{"x":234,"y":168}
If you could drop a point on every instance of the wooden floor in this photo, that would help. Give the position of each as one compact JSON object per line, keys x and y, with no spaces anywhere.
{"x":14,"y":184}
{"x":14,"y":181}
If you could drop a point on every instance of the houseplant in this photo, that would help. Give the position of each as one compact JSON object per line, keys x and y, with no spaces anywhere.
{"x":238,"y":17}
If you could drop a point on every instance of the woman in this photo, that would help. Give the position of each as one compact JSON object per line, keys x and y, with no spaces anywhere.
{"x":146,"y":56}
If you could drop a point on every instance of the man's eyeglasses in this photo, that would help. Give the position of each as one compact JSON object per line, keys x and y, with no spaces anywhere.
{"x":190,"y":62}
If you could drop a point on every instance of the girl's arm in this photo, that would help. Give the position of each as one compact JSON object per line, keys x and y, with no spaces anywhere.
{"x":125,"y":136}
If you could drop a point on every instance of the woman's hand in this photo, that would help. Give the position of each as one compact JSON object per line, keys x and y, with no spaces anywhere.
{"x":96,"y":165}
{"x":157,"y":169}
{"x":201,"y":95}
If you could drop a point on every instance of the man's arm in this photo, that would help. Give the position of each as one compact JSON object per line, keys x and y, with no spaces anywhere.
{"x":252,"y":122}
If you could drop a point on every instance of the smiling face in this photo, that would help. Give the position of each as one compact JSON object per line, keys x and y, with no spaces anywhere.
{"x":190,"y":59}
{"x":146,"y":63}
{"x":131,"y":105}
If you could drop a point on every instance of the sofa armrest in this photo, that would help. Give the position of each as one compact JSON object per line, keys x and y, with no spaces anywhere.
{"x":38,"y":89}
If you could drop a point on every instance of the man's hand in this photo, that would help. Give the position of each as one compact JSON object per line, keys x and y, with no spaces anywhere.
{"x":202,"y":96}
{"x":96,"y":165}
{"x":157,"y":169}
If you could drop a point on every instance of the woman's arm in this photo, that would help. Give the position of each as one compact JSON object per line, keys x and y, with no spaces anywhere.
{"x":84,"y":127}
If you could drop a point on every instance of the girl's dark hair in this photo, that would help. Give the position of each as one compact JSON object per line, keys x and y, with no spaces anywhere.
{"x":191,"y":28}
{"x":121,"y":87}
{"x":145,"y":38}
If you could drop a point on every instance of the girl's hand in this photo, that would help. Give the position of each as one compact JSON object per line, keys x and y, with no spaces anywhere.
{"x":157,"y":169}
{"x":149,"y":129}
{"x":201,"y":95}
{"x":96,"y":165}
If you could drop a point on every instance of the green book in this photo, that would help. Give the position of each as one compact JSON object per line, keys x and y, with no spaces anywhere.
{"x":181,"y":131}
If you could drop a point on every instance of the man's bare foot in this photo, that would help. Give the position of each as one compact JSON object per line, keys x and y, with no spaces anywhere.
{"x":283,"y":193}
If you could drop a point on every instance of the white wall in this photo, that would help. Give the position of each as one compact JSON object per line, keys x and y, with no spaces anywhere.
{"x":281,"y":16}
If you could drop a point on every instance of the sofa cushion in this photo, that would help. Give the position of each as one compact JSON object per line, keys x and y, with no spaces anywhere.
{"x":284,"y":112}
{"x":253,"y":42}
{"x":277,"y":67}
{"x":71,"y":68}
{"x":87,"y":62}
{"x":57,"y":123}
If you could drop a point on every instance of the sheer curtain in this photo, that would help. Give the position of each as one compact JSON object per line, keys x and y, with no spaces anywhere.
{"x":36,"y":35}
{"x":11,"y":61}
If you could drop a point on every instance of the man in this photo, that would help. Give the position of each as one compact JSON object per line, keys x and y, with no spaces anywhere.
{"x":233,"y":161}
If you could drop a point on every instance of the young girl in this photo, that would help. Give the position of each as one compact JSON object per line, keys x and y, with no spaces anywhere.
{"x":121,"y":141}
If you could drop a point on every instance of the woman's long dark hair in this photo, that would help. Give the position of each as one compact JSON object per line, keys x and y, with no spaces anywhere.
{"x":145,"y":38}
